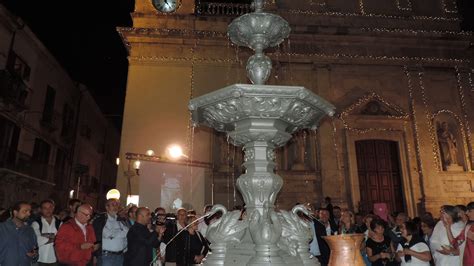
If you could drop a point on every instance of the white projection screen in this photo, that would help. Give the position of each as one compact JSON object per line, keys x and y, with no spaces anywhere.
{"x":171,"y":186}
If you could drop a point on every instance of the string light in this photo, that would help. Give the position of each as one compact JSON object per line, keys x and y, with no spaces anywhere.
{"x":407,"y":8}
{"x":171,"y":32}
{"x":320,"y":3}
{"x":336,"y":149}
{"x":361,"y":7}
{"x":365,"y":99}
{"x":444,"y":6}
{"x":471,"y":86}
{"x":417,"y":32}
{"x":309,"y":56}
{"x":190,"y":129}
{"x":327,"y":13}
{"x":429,"y":120}
{"x":180,"y":59}
{"x":416,"y":134}
{"x":379,"y":58}
{"x":464,"y":111}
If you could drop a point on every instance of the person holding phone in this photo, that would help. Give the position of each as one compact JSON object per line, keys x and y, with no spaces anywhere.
{"x":18,"y":240}
{"x":76,"y":239}
{"x":378,"y":247}
{"x":443,"y":252}
{"x":412,"y":250}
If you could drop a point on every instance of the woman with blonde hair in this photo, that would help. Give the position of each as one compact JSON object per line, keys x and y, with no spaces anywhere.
{"x":347,"y":224}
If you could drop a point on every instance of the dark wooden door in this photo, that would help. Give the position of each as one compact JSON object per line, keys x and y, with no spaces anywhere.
{"x":378,"y":167}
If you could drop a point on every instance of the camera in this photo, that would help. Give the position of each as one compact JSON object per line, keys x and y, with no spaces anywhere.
{"x":163,"y":219}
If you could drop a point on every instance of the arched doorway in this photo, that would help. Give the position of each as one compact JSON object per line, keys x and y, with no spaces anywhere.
{"x":380,"y":180}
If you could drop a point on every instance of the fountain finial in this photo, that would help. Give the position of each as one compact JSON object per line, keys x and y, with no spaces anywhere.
{"x":258,"y":5}
{"x":258,"y":31}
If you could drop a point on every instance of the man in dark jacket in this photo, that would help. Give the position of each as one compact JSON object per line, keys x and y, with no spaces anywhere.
{"x":323,"y":228}
{"x":172,"y":229}
{"x":141,"y":240}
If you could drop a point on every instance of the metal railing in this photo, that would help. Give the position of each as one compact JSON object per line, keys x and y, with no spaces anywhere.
{"x":13,"y":89}
{"x":221,"y":9}
{"x":23,"y":163}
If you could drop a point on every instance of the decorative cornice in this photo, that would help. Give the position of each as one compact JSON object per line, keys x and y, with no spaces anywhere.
{"x":170,"y":32}
{"x":396,"y":60}
{"x":370,"y":15}
{"x":399,"y":113}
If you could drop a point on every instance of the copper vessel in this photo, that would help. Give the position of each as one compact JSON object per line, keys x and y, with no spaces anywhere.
{"x":345,"y":249}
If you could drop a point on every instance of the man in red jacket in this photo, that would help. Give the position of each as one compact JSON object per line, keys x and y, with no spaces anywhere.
{"x":75,"y":239}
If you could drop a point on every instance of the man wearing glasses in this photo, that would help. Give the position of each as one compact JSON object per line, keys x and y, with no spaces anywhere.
{"x":75,"y":240}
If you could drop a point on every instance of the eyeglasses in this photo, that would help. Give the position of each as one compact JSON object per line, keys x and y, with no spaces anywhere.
{"x":86,"y":214}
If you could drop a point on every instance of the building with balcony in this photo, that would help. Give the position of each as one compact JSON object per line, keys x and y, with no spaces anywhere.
{"x":398,"y":71}
{"x":54,"y":139}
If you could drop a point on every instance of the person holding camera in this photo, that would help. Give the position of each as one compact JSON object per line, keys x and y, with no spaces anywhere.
{"x":171,"y":230}
{"x":142,"y":238}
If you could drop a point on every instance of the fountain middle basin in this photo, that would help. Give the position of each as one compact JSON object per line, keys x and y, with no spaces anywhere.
{"x":260,"y":118}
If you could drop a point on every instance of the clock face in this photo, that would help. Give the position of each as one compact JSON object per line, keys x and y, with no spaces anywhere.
{"x":166,"y":6}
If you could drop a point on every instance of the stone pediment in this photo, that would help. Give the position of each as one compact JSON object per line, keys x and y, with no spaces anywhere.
{"x":373,"y":104}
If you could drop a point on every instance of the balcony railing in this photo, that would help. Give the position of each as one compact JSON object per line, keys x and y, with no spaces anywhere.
{"x":24,"y":164}
{"x":13,"y":89}
{"x":221,"y":9}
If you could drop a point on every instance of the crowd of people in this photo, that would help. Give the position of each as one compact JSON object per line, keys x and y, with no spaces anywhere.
{"x":443,"y":240}
{"x":132,"y":236}
{"x":37,"y":235}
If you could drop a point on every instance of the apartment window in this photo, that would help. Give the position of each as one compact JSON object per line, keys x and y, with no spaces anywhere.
{"x":86,"y":132}
{"x":48,"y":108}
{"x":41,"y":151}
{"x":60,"y":169}
{"x":68,"y":120}
{"x":9,"y":136}
{"x":19,"y":67}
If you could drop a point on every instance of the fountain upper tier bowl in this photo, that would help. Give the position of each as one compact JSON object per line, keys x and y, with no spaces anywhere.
{"x":291,"y":107}
{"x":258,"y":30}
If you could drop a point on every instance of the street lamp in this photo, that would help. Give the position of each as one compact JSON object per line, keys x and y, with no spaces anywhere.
{"x":136,"y":165}
{"x":175,"y":152}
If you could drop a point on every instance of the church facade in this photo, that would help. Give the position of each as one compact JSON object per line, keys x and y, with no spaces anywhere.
{"x":398,"y":71}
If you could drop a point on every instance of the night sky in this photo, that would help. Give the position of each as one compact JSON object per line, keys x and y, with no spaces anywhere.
{"x":82,"y":36}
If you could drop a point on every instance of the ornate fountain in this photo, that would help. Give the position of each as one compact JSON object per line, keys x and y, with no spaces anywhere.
{"x":260,"y":118}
